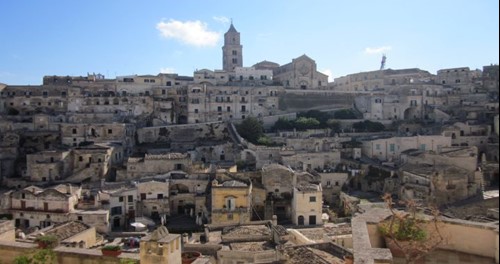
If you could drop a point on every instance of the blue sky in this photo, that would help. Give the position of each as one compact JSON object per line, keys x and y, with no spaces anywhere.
{"x":128,"y":37}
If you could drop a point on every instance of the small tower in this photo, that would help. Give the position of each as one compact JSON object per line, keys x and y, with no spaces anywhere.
{"x":232,"y":51}
{"x":160,"y":247}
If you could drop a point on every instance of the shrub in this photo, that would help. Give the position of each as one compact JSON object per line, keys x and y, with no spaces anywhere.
{"x":403,"y":228}
{"x":112,"y":247}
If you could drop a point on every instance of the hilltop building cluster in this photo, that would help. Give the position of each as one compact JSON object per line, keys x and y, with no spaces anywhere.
{"x":156,"y":164}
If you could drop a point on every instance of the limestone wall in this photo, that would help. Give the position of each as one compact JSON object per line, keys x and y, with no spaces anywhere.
{"x":10,"y":250}
{"x":215,"y":131}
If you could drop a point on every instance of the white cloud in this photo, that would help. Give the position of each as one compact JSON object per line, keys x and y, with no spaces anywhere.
{"x":222,"y":19}
{"x":377,"y":50}
{"x":167,"y":70}
{"x":189,"y":32}
{"x":329,"y":73}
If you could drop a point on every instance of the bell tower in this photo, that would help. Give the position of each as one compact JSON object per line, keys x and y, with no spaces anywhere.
{"x":232,"y":51}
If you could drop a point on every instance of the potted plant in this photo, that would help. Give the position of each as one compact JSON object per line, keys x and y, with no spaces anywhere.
{"x":407,"y":235}
{"x":111,"y":250}
{"x":189,"y":256}
{"x":47,"y":241}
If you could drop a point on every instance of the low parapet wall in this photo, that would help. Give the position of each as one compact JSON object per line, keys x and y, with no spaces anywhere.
{"x":463,"y":236}
{"x":9,"y":251}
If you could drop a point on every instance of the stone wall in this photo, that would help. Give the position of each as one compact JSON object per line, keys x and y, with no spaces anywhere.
{"x":10,"y":250}
{"x":7,"y":230}
{"x":215,"y":131}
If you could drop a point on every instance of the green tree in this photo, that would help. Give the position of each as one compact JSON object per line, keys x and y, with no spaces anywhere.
{"x":321,"y":117}
{"x":368,"y":126}
{"x":251,"y":129}
{"x":265,"y":141}
{"x":283,"y":124}
{"x":303,"y":123}
{"x":344,"y":114}
{"x":334,"y":125}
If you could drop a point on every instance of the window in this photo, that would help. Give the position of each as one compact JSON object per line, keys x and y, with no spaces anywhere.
{"x":230,"y":203}
{"x":80,"y":218}
{"x":377,"y":146}
{"x":219,"y":109}
{"x":235,"y":61}
{"x":312,"y":199}
{"x":392,"y":147}
{"x":229,"y":109}
{"x":117,"y":210}
{"x":74,"y":130}
{"x":130,"y":198}
{"x":196,"y":111}
{"x":120,"y":199}
{"x":160,"y":196}
{"x":235,"y":52}
{"x":110,"y":131}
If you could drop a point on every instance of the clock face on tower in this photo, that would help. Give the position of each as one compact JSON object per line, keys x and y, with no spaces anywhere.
{"x":304,"y":69}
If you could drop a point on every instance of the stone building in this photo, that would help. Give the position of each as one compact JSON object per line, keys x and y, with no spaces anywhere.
{"x":278,"y":180}
{"x":153,"y":199}
{"x":380,"y":80}
{"x":390,"y":149}
{"x":438,"y":184}
{"x":123,"y":208}
{"x":187,"y":193}
{"x":332,"y":183}
{"x":231,"y":202}
{"x":307,"y":204}
{"x":209,"y":103}
{"x":154,"y":164}
{"x":9,"y":152}
{"x":455,"y":76}
{"x":72,"y":134}
{"x":48,"y":166}
{"x":252,"y":76}
{"x":98,"y":219}
{"x":215,"y":153}
{"x":465,"y":134}
{"x":312,"y":160}
{"x":301,"y":73}
{"x":95,"y":162}
{"x":490,"y":78}
{"x":72,"y":234}
{"x":33,"y":206}
{"x":31,"y":99}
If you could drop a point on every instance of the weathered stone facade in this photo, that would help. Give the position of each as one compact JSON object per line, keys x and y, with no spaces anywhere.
{"x":301,"y":73}
{"x":231,"y":202}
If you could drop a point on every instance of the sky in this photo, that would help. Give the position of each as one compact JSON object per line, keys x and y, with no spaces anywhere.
{"x":117,"y":38}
